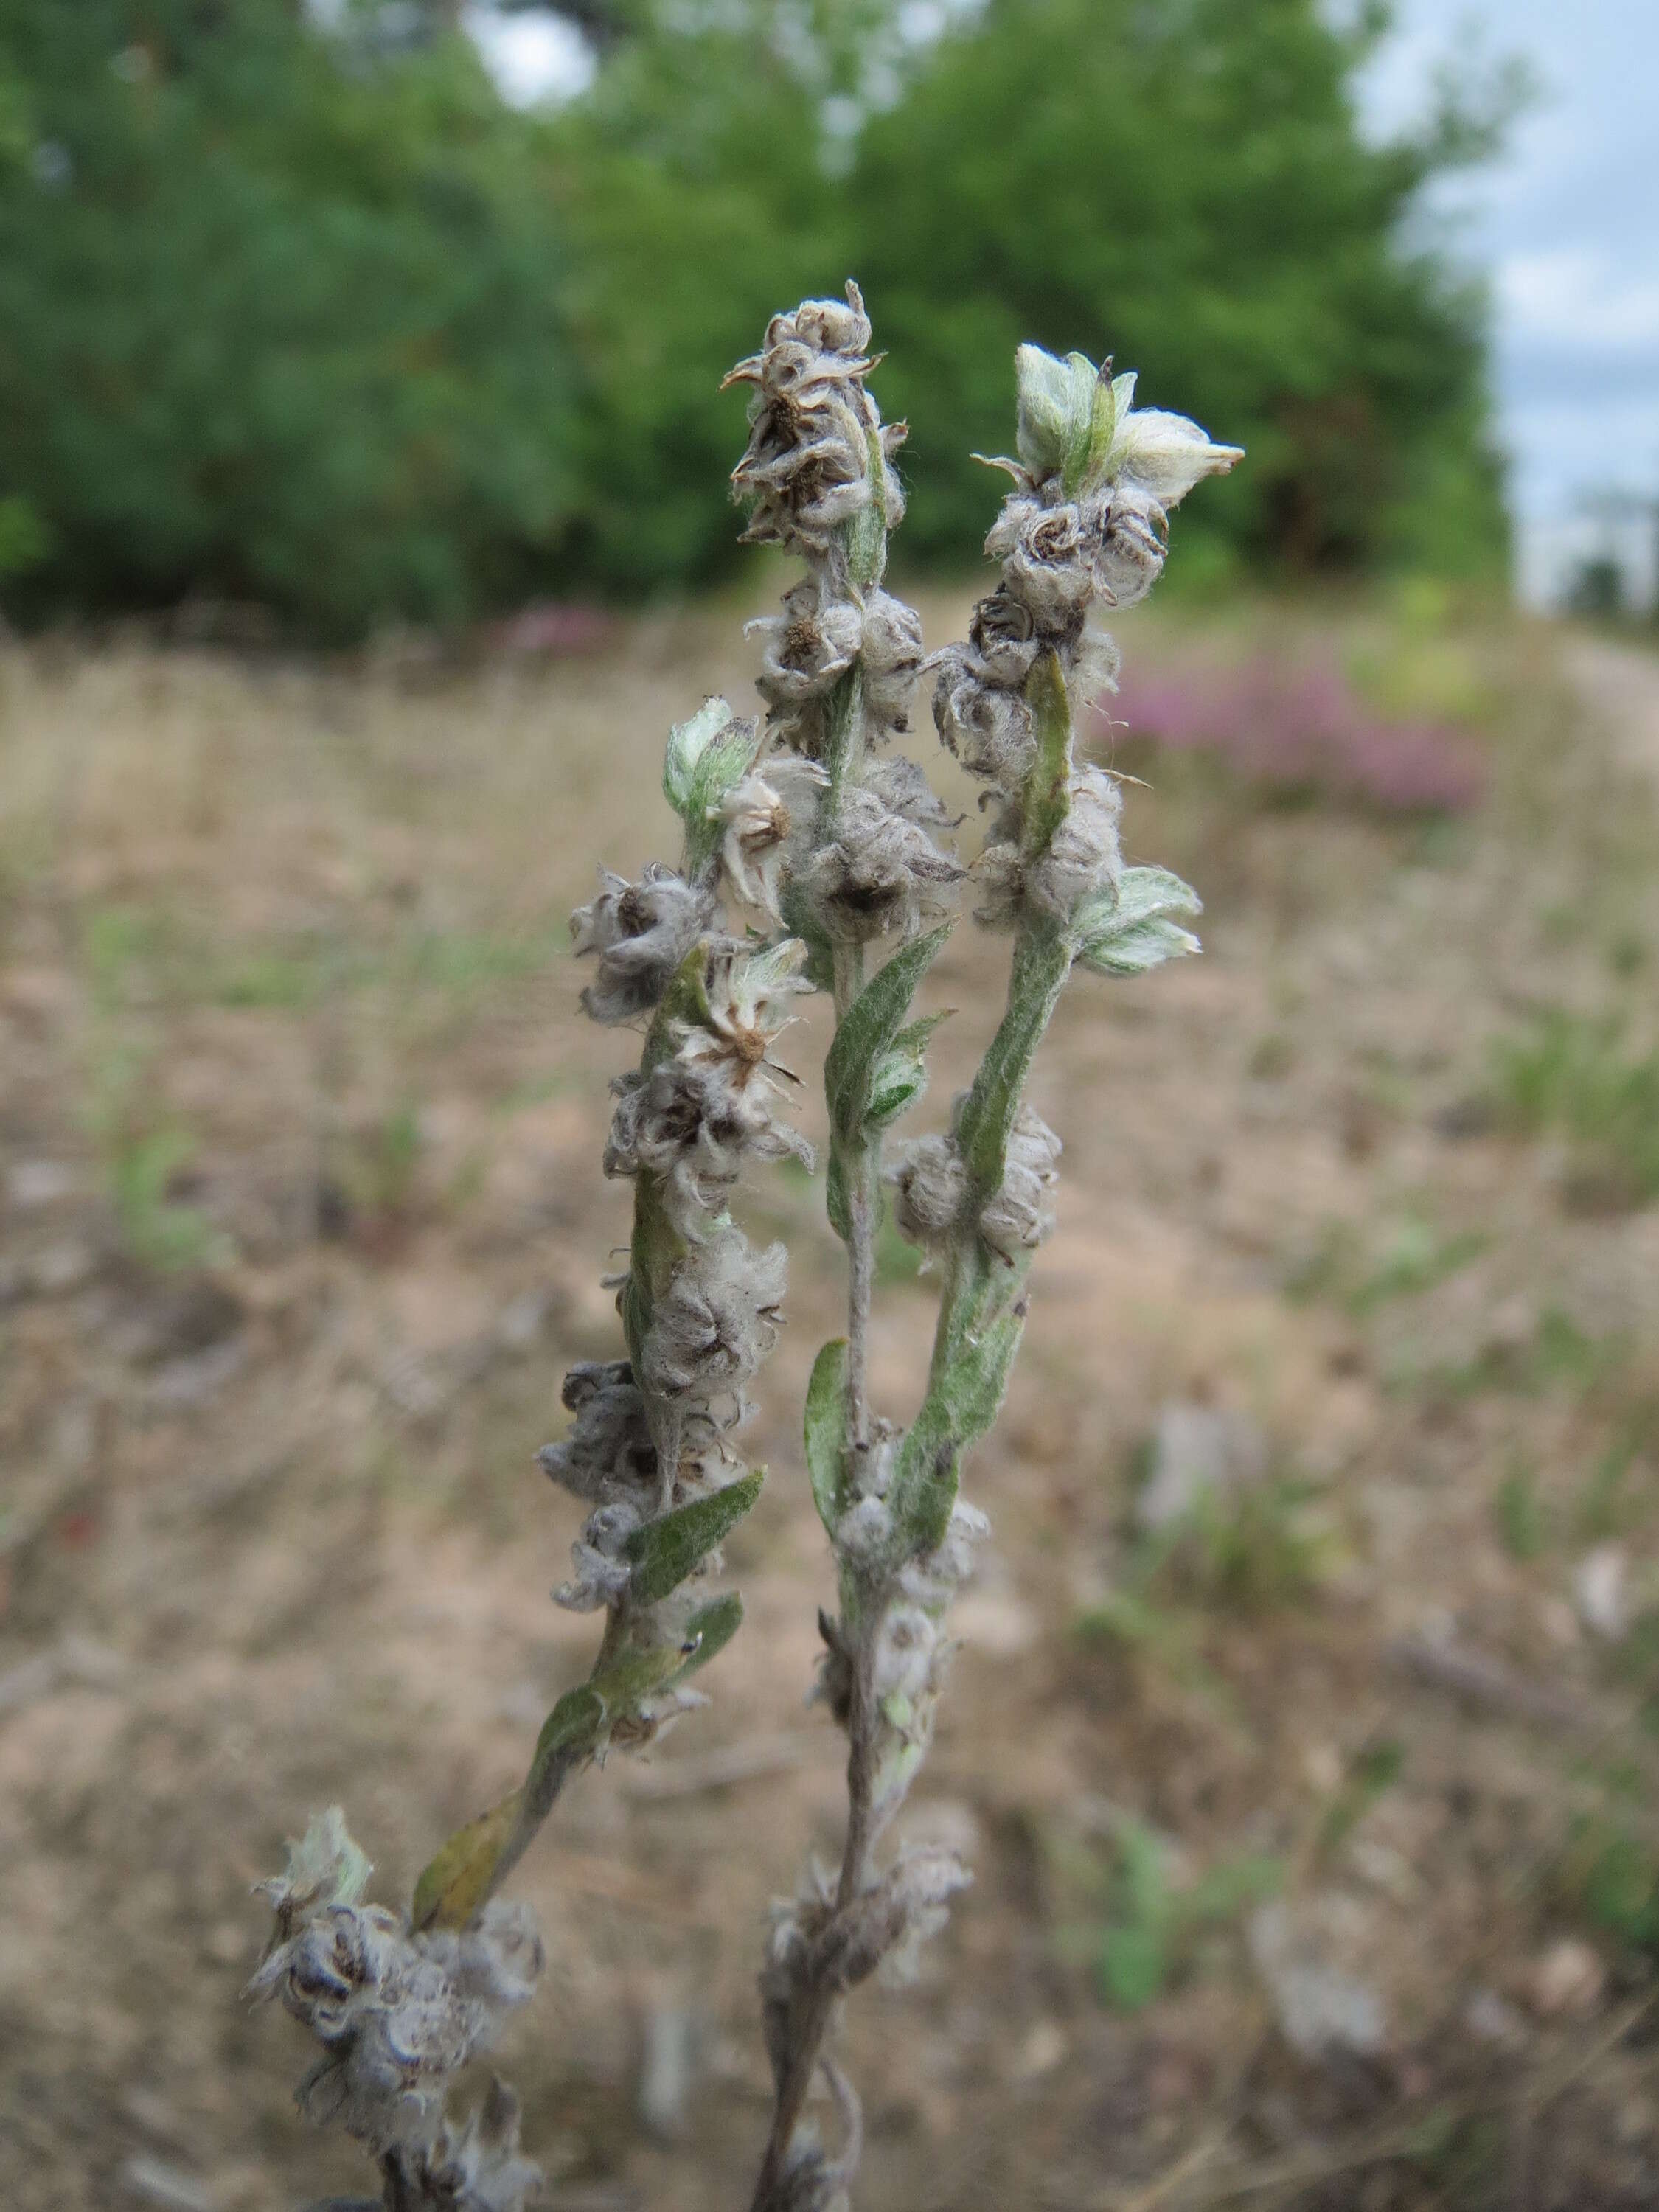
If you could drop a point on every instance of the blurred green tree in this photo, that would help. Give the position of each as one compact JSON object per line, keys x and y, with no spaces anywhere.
{"x":280,"y":315}
{"x":312,"y":318}
{"x":1188,"y":185}
{"x":1183,"y":181}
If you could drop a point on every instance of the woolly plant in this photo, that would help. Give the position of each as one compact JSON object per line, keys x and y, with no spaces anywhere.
{"x":815,"y":858}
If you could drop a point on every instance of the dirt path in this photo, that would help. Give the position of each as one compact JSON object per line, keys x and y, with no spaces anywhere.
{"x":1620,"y":685}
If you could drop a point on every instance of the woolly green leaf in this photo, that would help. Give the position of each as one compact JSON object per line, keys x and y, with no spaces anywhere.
{"x":1054,"y":406}
{"x":325,"y":1863}
{"x":1136,"y":951}
{"x":837,"y":1203}
{"x":572,"y":1731}
{"x":896,"y":1085}
{"x":455,"y":1881}
{"x":869,"y":1028}
{"x":961,"y":1407}
{"x":698,"y":750}
{"x":900,"y":1076}
{"x":576,"y":1713}
{"x":826,"y":1431}
{"x":1132,"y":932}
{"x":1042,"y":960}
{"x":713,"y":1625}
{"x":1123,"y":398}
{"x":1141,"y":893}
{"x":665,"y":1550}
{"x":865,"y":534}
{"x":1045,"y":794}
{"x":1103,"y":429}
{"x":626,"y":1681}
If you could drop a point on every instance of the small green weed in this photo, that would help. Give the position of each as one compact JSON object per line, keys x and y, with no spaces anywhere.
{"x":1520,"y":1513}
{"x":1608,"y":1876}
{"x":1152,"y":1925}
{"x":157,"y":1230}
{"x":1573,"y":1075}
{"x":1374,"y":1770}
{"x":1410,"y":1256}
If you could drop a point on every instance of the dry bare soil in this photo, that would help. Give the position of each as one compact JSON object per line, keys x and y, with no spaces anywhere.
{"x":303,"y":1220}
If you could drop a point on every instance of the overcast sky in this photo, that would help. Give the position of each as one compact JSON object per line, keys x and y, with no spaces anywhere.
{"x":1567,"y":225}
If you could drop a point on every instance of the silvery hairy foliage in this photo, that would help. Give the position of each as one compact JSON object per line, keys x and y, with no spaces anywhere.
{"x":815,"y":858}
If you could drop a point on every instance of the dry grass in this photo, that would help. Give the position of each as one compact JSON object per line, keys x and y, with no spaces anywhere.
{"x":303,"y":1221}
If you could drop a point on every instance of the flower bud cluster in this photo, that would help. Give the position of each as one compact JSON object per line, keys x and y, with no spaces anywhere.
{"x":817,"y":477}
{"x":706,"y":1306}
{"x":1080,"y":860}
{"x":692,"y":1116}
{"x":641,"y":933}
{"x":931,"y":1188}
{"x":807,"y":473}
{"x":398,"y":2015}
{"x":1086,"y":524}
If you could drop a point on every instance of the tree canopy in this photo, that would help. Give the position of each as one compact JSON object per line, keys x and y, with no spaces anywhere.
{"x":309,"y":316}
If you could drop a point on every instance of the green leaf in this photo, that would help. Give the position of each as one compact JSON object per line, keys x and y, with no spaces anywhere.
{"x":1102,"y":427}
{"x":1046,"y":796}
{"x":1054,"y":409}
{"x":1042,"y":960}
{"x":900,"y":1076}
{"x":706,"y":757}
{"x":865,"y":534}
{"x":870,"y":1028}
{"x":962,"y":1405}
{"x":1136,"y":951}
{"x":837,"y":1200}
{"x":1133,"y":1961}
{"x":713,"y":1625}
{"x":1132,"y":932}
{"x":1123,"y":398}
{"x":325,"y":1863}
{"x":456,"y":1880}
{"x":826,"y":1431}
{"x":665,"y":1550}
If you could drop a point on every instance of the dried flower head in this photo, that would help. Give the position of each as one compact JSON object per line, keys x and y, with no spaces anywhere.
{"x":766,"y":818}
{"x":881,"y":873}
{"x":400,"y":2014}
{"x":816,"y":444}
{"x":981,"y":717}
{"x":718,"y":1320}
{"x":1081,"y":860}
{"x":641,"y":933}
{"x":928,"y":1177}
{"x":1020,"y":1215}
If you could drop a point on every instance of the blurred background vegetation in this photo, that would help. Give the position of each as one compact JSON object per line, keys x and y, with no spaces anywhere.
{"x":297,"y":311}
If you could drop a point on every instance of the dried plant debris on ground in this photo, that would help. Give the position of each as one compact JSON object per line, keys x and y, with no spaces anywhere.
{"x":1303,"y":1735}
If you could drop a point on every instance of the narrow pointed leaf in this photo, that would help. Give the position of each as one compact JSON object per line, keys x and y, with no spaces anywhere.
{"x":665,"y":1550}
{"x":571,"y":1733}
{"x":456,"y":1882}
{"x":826,"y":1431}
{"x":869,"y":1028}
{"x":713,"y":1625}
{"x":1081,"y":401}
{"x":961,"y":1407}
{"x":1046,"y":799}
{"x":1042,"y":961}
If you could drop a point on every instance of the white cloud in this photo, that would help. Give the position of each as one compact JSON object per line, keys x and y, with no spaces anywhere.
{"x":1580,"y":294}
